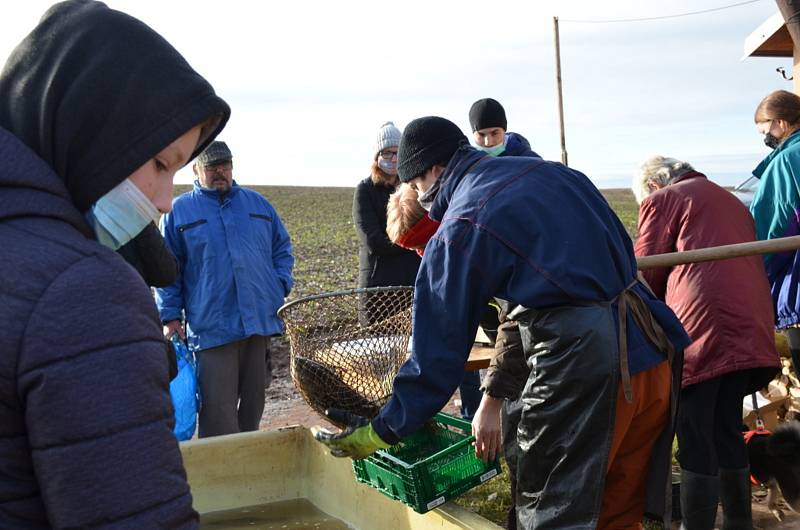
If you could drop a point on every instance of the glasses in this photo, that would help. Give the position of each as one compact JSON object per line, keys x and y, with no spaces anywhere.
{"x":224,"y":165}
{"x":388,"y":155}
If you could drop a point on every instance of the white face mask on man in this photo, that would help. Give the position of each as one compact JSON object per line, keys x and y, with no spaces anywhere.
{"x":495,"y":150}
{"x":121,"y":214}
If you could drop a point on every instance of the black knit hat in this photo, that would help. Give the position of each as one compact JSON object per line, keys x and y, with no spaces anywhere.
{"x":426,"y":142}
{"x":96,"y":93}
{"x":485,"y":113}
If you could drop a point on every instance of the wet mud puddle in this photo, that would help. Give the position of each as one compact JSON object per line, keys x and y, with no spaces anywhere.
{"x":296,"y":514}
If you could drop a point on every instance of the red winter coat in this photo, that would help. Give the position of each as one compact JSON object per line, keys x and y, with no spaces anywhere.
{"x":725,"y":306}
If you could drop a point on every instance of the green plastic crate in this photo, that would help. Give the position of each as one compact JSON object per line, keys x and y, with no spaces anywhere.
{"x":428,"y":468}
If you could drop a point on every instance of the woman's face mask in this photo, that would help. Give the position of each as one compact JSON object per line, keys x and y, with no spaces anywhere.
{"x":767,"y":128}
{"x":771,"y":141}
{"x":387,"y":161}
{"x":388,"y":166}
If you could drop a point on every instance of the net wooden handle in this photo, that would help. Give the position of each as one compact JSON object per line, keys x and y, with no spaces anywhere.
{"x":736,"y":250}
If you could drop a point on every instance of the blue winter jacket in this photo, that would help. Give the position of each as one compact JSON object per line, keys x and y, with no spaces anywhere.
{"x":776,"y":210}
{"x":235,"y":261}
{"x":532,"y":232}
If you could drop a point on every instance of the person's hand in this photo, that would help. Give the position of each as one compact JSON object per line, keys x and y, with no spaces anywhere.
{"x":358,"y":441}
{"x":172,"y":327}
{"x":486,"y":428}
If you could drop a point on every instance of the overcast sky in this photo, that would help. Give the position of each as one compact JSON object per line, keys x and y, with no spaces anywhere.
{"x":310,"y":82}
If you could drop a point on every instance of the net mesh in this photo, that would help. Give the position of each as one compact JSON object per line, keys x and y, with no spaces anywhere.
{"x":346,"y":347}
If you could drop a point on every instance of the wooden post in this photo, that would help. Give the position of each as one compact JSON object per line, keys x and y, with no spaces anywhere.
{"x":560,"y":98}
{"x":790,"y":10}
{"x":796,"y":69}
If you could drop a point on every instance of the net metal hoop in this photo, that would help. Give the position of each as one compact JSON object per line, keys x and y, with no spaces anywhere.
{"x":347,"y":346}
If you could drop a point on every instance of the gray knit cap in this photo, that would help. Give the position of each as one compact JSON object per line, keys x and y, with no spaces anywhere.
{"x":388,"y":136}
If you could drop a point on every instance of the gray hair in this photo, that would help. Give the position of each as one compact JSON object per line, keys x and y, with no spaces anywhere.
{"x":659,"y":170}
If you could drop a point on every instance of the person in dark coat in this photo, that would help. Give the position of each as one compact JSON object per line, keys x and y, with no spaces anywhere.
{"x":155,"y":263}
{"x":596,"y":432}
{"x":726,"y":308}
{"x":149,"y":255}
{"x":381,"y":263}
{"x":90,"y":145}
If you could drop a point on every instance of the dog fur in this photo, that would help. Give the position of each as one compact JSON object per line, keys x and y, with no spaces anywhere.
{"x":775,"y":462}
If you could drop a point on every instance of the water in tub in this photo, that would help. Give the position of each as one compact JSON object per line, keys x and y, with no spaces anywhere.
{"x":297,"y":514}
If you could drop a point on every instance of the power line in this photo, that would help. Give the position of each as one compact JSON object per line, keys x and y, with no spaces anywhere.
{"x":690,"y":13}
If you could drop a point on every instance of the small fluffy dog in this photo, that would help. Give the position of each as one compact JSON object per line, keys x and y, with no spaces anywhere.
{"x":775,"y":462}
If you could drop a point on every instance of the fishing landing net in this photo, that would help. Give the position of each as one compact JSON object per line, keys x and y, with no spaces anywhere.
{"x":346,"y":347}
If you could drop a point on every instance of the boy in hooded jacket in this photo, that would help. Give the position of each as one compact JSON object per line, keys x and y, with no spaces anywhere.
{"x":85,"y":410}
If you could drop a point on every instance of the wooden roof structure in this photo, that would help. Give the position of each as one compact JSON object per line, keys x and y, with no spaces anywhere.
{"x":770,"y":39}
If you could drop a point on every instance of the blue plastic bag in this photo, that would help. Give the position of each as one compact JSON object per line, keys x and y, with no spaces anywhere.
{"x":183,"y":390}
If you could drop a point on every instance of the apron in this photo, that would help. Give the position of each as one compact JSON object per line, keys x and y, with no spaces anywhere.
{"x":577,"y":359}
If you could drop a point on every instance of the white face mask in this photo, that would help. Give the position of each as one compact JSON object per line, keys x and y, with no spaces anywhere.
{"x":121,"y":214}
{"x":388,"y":166}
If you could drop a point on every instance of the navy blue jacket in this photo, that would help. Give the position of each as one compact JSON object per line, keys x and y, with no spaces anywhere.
{"x":532,"y":232}
{"x":518,"y":145}
{"x":235,"y":261}
{"x":85,"y":413}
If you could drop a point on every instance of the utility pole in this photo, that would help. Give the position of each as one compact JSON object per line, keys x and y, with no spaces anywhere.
{"x":560,"y":98}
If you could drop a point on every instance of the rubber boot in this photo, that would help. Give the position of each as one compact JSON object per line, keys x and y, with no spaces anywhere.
{"x":734,"y":492}
{"x":699,"y":499}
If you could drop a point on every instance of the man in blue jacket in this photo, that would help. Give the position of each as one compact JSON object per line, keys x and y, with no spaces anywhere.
{"x":603,"y":352}
{"x":236,"y":264}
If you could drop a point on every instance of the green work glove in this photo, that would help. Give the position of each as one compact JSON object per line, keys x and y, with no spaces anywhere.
{"x":358,"y":440}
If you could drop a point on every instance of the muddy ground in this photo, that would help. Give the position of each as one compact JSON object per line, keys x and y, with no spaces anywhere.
{"x":763,"y":519}
{"x":283,"y":405}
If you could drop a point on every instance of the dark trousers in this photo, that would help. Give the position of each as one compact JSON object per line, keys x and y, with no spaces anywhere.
{"x":232,"y":379}
{"x":510,"y":416}
{"x":470,"y":391}
{"x":710,"y":421}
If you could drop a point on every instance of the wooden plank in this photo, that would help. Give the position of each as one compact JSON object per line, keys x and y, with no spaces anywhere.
{"x":479,"y":357}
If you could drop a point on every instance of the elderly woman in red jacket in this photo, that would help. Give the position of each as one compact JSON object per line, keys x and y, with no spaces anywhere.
{"x":726,"y":309}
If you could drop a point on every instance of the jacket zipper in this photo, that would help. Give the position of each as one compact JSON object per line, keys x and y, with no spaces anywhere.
{"x":261,"y":216}
{"x":187,"y":226}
